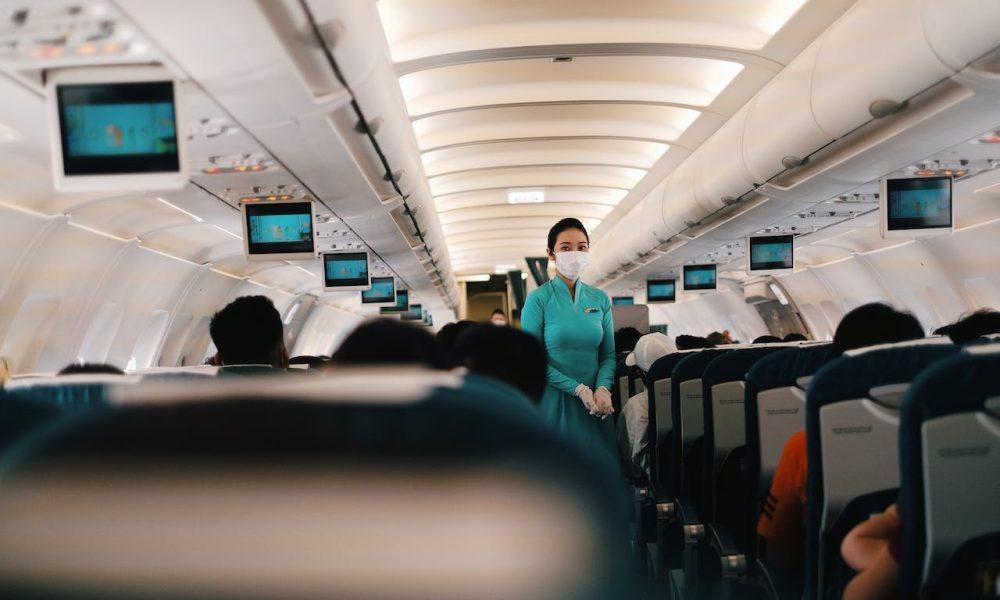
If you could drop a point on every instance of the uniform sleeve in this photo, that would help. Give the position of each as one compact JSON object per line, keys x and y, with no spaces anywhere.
{"x":533,"y":322}
{"x":606,"y":351}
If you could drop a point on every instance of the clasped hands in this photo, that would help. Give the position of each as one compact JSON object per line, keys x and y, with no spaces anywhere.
{"x":597,"y":402}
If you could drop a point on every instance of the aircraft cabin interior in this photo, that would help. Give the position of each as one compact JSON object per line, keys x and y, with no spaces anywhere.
{"x":413,"y":299}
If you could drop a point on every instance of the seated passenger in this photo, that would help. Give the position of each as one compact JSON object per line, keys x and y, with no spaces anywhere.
{"x":498,"y":317}
{"x":633,"y":426}
{"x":691,"y":342}
{"x":446,"y":337}
{"x":389,"y":342}
{"x":782,"y":522}
{"x":625,"y":339}
{"x":248,"y":332}
{"x":716,"y":338}
{"x":90,"y":369}
{"x":872,"y":549}
{"x":982,"y":322}
{"x":767,"y":339}
{"x":794,"y":337}
{"x":510,"y":355}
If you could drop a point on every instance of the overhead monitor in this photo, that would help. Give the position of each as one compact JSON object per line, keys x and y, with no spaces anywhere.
{"x":416,"y":313}
{"x":916,"y":206}
{"x":659,"y":328}
{"x":770,"y":253}
{"x":402,"y":304}
{"x":382,"y":291}
{"x":279,"y":230}
{"x":116,"y":128}
{"x":345,"y":271}
{"x":699,"y":277}
{"x":661,"y":290}
{"x":623,"y":300}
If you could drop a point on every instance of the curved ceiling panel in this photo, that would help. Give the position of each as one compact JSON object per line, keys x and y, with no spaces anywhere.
{"x":612,"y":120}
{"x":518,"y":224}
{"x":661,"y":79}
{"x":536,"y":176}
{"x":626,"y":153}
{"x":435,"y":27}
{"x":129,"y":217}
{"x":191,"y":242}
{"x":577,"y":195}
{"x":551,"y":210}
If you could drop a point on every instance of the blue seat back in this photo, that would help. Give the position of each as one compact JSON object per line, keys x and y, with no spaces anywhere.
{"x":687,"y":409}
{"x":949,"y":498}
{"x":660,"y":418}
{"x":852,"y":427}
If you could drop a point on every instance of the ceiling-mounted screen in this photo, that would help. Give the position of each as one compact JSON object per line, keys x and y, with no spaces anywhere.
{"x":382,"y":291}
{"x":699,"y":277}
{"x":415,"y":313}
{"x":116,"y":128}
{"x":279,"y":230}
{"x":623,"y":300}
{"x":916,"y":206}
{"x":659,"y":328}
{"x":402,"y":304}
{"x":661,"y":290}
{"x":344,"y":271}
{"x":770,"y":253}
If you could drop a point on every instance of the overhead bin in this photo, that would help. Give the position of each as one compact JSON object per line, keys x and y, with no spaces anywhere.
{"x":677,"y":202}
{"x":718,"y":166}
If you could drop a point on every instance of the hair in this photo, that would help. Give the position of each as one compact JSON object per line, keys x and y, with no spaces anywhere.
{"x":498,"y":311}
{"x":249,"y":332}
{"x":626,"y":338}
{"x":691,"y":342}
{"x":447,"y":336}
{"x":389,"y":342}
{"x":510,"y":355}
{"x":716,"y":338}
{"x":565,"y":225}
{"x":982,"y":322}
{"x":90,"y":369}
{"x":314,"y":362}
{"x":795,"y":337}
{"x":767,"y":339}
{"x":875,"y":323}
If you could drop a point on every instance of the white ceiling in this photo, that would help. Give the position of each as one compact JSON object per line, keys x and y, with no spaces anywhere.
{"x":648,"y":82}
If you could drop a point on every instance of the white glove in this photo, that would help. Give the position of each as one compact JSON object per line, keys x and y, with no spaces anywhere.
{"x":602,"y":398}
{"x":585,"y":394}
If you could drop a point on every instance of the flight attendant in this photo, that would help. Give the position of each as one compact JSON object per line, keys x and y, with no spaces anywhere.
{"x":573,"y":319}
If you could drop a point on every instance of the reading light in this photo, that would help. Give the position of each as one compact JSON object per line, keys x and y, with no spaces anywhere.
{"x":503,"y":269}
{"x":526,"y":196}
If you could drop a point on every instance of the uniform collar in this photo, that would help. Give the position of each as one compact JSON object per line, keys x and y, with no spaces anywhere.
{"x":558,"y":282}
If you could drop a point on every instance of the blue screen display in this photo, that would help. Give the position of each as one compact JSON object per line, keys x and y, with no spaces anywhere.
{"x":383,"y":290}
{"x":919,"y":203}
{"x":280,"y":229}
{"x":699,"y":277}
{"x":347,"y":269}
{"x":772,"y":252}
{"x":623,"y":300}
{"x":120,"y":129}
{"x":661,"y":290}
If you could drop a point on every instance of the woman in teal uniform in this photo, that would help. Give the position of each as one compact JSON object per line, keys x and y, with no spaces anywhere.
{"x":574,"y":321}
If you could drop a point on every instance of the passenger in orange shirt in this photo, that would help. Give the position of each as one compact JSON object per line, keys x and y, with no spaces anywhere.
{"x":782,"y":524}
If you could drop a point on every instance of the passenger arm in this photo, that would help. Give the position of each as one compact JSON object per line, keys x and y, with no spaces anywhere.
{"x":533,"y":322}
{"x":606,"y":351}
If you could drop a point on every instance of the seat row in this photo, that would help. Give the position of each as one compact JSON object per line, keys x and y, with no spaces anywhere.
{"x":877,"y":423}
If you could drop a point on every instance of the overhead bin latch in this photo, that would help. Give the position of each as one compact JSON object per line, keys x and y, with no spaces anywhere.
{"x":883,"y":107}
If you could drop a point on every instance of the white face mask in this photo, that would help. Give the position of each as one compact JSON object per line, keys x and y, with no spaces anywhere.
{"x":499,"y":321}
{"x":570,"y":264}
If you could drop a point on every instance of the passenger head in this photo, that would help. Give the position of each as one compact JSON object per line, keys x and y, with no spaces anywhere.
{"x":498,"y":317}
{"x":90,"y":369}
{"x":249,"y":332}
{"x":691,"y":342}
{"x":716,"y":338}
{"x":767,"y":339}
{"x":626,"y":339}
{"x":795,"y":337}
{"x":389,"y":342}
{"x":447,"y":336}
{"x":314,"y":362}
{"x":980,"y":323}
{"x":649,"y":349}
{"x":510,"y":355}
{"x":872,"y":324}
{"x":568,"y":245}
